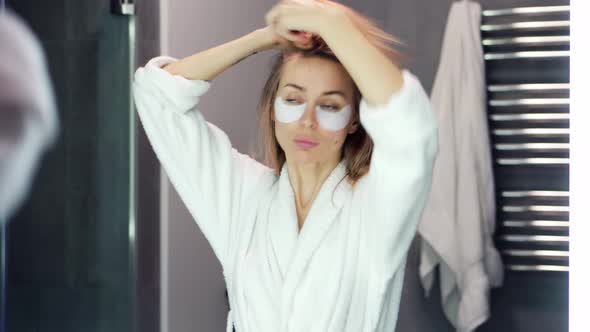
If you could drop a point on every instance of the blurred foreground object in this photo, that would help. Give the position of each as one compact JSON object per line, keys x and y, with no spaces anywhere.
{"x":28,"y":118}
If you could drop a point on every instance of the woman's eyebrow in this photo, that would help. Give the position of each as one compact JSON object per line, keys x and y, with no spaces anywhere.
{"x":333,"y":92}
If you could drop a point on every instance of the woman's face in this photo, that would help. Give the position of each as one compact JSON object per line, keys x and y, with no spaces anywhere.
{"x":316,"y":86}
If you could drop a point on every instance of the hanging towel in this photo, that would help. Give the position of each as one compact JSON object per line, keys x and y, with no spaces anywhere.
{"x":459,"y":220}
{"x":28,"y":118}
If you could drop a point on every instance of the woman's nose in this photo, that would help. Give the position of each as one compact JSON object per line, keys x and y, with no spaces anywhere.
{"x":309,"y":117}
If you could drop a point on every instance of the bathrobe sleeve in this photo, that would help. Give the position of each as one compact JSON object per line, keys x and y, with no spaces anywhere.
{"x":214,"y":180}
{"x":404,"y":133}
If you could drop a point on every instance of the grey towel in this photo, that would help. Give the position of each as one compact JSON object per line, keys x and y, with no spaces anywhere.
{"x":459,"y":220}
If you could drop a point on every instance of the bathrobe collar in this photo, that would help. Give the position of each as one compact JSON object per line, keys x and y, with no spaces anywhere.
{"x":293,"y":248}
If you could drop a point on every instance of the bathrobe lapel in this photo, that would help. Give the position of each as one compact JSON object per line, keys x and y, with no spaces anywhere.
{"x":282,"y":224}
{"x":292,"y":250}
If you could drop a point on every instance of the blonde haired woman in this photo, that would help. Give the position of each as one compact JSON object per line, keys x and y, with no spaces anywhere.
{"x":301,"y":249}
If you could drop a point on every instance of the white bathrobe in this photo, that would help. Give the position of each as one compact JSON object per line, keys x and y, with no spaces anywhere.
{"x":344,"y":271}
{"x":459,"y":219}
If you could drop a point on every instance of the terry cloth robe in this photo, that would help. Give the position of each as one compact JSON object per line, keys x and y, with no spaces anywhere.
{"x":28,"y":117}
{"x":459,"y":219}
{"x":344,"y":270}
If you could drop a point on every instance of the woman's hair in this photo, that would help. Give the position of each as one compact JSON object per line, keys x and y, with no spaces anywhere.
{"x":358,"y":146}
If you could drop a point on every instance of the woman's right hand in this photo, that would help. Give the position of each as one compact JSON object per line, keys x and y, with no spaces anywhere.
{"x":271,"y":39}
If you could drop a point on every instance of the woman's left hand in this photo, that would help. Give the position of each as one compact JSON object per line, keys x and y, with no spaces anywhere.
{"x":297,"y":20}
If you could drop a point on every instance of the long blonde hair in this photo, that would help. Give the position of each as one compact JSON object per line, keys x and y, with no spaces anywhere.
{"x":358,"y":146}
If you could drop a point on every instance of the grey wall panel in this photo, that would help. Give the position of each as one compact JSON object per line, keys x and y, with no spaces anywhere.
{"x":147,"y":186}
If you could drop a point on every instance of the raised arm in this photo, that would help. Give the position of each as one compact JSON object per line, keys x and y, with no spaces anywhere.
{"x":404,"y":133}
{"x":396,"y":113}
{"x":206,"y":65}
{"x":216,"y":182}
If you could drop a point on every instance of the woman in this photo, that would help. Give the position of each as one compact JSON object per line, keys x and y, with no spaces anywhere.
{"x":302,"y":250}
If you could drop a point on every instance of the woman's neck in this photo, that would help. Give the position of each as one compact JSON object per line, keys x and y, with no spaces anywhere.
{"x":307,"y":179}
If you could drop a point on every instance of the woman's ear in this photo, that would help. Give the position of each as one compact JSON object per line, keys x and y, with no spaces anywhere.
{"x":354,"y":126}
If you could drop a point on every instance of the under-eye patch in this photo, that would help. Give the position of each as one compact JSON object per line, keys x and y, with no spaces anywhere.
{"x":329,"y":120}
{"x":288,"y":113}
{"x":333,"y":120}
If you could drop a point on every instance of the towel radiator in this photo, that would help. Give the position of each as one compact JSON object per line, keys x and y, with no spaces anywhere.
{"x":526,"y":53}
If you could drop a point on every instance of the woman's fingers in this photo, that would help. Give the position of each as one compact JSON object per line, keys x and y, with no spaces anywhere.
{"x":286,"y":33}
{"x":296,"y":36}
{"x":274,"y":18}
{"x":298,"y":39}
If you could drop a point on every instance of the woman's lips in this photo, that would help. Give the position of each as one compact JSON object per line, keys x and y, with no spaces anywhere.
{"x":305,"y":144}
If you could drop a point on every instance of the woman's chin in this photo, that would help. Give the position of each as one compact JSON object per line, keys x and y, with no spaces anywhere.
{"x":304,"y":157}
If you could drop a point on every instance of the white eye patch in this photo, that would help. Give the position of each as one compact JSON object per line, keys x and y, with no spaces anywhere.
{"x":330,"y":120}
{"x":288,"y":113}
